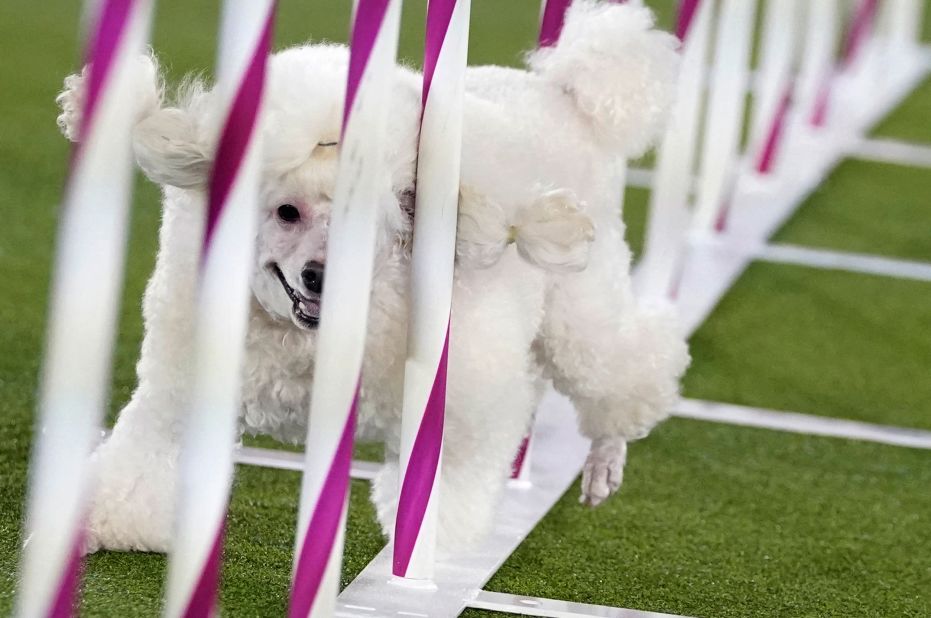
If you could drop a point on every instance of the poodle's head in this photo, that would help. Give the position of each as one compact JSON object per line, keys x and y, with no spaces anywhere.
{"x":300,"y":145}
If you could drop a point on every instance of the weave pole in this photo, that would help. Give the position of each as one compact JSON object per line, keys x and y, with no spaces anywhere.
{"x":85,"y":298}
{"x":344,"y":310}
{"x":817,"y":67}
{"x":904,"y":29}
{"x":669,"y":213}
{"x":774,"y":84}
{"x":221,"y":313}
{"x":432,"y":265}
{"x":724,"y":113}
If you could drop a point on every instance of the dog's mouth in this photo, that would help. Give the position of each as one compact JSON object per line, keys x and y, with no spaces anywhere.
{"x":305,"y":311}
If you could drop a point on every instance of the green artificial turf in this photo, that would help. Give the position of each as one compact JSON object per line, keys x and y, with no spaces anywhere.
{"x":636,"y":202}
{"x":821,"y":342}
{"x":867,"y":207}
{"x":257,"y":556}
{"x":722,"y":521}
{"x":901,"y":123}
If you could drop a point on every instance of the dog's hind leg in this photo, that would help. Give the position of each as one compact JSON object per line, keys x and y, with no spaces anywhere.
{"x":492,"y":390}
{"x":620,"y":363}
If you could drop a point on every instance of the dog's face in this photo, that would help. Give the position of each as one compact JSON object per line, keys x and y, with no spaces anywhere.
{"x":288,"y":280}
{"x":300,"y":126}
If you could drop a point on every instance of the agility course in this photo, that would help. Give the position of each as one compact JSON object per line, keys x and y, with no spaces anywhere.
{"x":746,"y":207}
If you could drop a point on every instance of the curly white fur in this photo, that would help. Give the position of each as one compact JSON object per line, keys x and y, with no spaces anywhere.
{"x":552,"y":232}
{"x":600,"y":93}
{"x":619,"y":71}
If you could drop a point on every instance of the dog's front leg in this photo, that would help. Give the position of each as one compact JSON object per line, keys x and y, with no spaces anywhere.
{"x":133,"y":505}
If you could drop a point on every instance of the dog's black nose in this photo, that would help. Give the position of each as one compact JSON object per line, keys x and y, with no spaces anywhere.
{"x":312,"y":276}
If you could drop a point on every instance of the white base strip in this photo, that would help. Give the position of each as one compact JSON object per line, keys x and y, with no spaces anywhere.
{"x":851,"y":262}
{"x":532,"y":606}
{"x":287,"y":460}
{"x":460,"y":577}
{"x":802,"y":423}
{"x":892,"y":151}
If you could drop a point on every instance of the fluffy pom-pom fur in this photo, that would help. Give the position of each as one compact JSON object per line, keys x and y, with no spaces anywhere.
{"x":620,"y":71}
{"x":551,"y":232}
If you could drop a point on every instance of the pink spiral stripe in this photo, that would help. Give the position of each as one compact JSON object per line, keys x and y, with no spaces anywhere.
{"x":102,"y":49}
{"x":554,"y":16}
{"x":518,"y":464}
{"x":686,"y":17}
{"x":370,"y":14}
{"x":63,"y":606}
{"x":237,"y":132}
{"x":204,"y":598}
{"x":321,"y":532}
{"x":776,"y":131}
{"x":421,"y":470}
{"x":439,"y":15}
{"x":819,"y":115}
{"x":860,"y":29}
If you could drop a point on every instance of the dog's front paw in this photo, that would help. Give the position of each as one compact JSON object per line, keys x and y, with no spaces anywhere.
{"x":71,"y":102}
{"x":604,"y":470}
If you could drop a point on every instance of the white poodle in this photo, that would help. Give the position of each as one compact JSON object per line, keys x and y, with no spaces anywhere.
{"x":540,"y":147}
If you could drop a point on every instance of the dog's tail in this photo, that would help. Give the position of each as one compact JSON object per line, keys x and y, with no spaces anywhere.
{"x":551,"y":232}
{"x":619,"y":70}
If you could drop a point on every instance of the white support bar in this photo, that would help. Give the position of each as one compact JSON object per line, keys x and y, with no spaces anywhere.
{"x":551,"y":608}
{"x":892,"y":151}
{"x":802,"y":423}
{"x":288,"y":460}
{"x":851,"y":262}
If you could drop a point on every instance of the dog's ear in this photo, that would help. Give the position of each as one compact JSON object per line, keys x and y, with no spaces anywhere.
{"x":170,"y":147}
{"x":171,"y":143}
{"x":168,"y":142}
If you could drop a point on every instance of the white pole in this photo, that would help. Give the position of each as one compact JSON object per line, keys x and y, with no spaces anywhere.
{"x":724,"y":112}
{"x":221,"y":313}
{"x":669,"y":213}
{"x":85,"y":297}
{"x":344,"y":310}
{"x":432,"y":264}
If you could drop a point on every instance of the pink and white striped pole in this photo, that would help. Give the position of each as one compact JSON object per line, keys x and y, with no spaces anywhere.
{"x":551,"y":21}
{"x":724,"y":112}
{"x":344,"y":310}
{"x":775,"y":84}
{"x":85,"y":299}
{"x":222,"y":311}
{"x":859,"y":31}
{"x":669,"y":214}
{"x":432,"y":266}
{"x":861,"y":27}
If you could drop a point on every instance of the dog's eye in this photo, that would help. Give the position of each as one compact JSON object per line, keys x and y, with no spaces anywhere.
{"x":289,"y":213}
